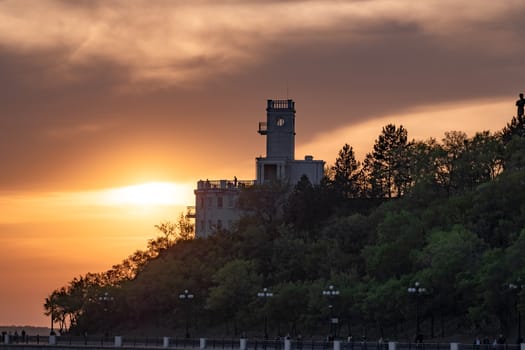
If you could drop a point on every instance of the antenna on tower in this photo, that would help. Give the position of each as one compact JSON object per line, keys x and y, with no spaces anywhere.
{"x":287,"y":97}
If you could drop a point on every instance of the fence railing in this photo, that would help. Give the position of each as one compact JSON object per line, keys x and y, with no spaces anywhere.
{"x":129,"y":342}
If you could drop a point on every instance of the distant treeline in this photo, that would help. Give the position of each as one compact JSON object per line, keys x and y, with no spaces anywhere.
{"x":448,"y":214}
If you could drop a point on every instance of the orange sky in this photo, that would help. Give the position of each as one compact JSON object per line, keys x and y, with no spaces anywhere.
{"x":99,"y":95}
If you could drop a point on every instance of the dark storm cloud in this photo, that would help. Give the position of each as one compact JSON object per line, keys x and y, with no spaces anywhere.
{"x":59,"y":121}
{"x":396,"y":66}
{"x":85,"y":100}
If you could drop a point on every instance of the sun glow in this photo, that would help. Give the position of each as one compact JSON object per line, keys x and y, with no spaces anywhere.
{"x":150,"y":194}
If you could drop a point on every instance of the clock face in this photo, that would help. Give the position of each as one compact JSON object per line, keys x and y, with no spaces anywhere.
{"x":280,"y":121}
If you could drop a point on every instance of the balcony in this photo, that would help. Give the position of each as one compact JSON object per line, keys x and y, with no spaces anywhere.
{"x":263,"y":128}
{"x":223,"y":184}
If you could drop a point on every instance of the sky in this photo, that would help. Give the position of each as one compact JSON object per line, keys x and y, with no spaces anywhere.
{"x":111,"y":111}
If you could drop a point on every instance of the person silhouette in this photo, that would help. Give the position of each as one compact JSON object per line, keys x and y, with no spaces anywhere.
{"x":521,"y":105}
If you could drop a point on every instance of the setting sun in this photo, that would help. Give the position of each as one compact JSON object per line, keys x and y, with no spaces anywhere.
{"x":148,"y":194}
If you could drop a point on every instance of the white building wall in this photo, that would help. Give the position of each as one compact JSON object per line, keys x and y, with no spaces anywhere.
{"x":216,"y":205}
{"x":313,"y":169}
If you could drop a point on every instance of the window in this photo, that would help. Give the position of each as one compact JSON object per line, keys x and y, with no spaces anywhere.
{"x":270,"y":172}
{"x":210,"y":225}
{"x":231,"y":201}
{"x":219,"y":202}
{"x":219,"y":224}
{"x":210,"y":202}
{"x":202,"y":202}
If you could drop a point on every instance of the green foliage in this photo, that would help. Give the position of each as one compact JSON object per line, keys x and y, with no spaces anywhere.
{"x":449,"y":215}
{"x":287,"y":305}
{"x":306,"y":206}
{"x":399,"y":235}
{"x":236,"y":284}
{"x":388,"y":164}
{"x":263,"y":203}
{"x":345,"y":174}
{"x":515,"y":128}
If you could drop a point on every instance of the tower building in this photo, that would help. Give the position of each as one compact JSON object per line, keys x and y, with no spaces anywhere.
{"x":216,"y":200}
{"x":280,"y":163}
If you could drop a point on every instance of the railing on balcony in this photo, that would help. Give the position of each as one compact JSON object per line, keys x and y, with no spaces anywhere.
{"x":281,"y":104}
{"x":224,"y":184}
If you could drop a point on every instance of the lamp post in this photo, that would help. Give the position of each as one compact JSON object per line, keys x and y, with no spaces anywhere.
{"x":265,"y":294}
{"x":331,"y":292}
{"x":106,"y":298}
{"x":417,"y":290}
{"x":186,"y":297}
{"x":517,"y":287}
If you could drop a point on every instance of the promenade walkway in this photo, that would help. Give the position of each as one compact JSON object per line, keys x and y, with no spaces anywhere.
{"x":145,"y":343}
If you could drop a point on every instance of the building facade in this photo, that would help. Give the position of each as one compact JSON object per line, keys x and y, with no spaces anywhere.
{"x":216,"y":200}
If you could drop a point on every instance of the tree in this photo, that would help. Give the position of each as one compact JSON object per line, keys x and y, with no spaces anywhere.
{"x":453,"y":146}
{"x":514,"y":154}
{"x":513,"y":139}
{"x":172,"y":232}
{"x":399,"y":235}
{"x":422,"y":156}
{"x":264,"y":202}
{"x":495,"y":212}
{"x":350,"y":235}
{"x":383,"y":303}
{"x":307,"y":205}
{"x":236,"y":285}
{"x":387,"y":166}
{"x":489,"y":309}
{"x":345,"y":173}
{"x":450,"y":259}
{"x":480,"y":161}
{"x":516,"y":127}
{"x":289,"y":304}
{"x":299,"y":209}
{"x":54,"y":308}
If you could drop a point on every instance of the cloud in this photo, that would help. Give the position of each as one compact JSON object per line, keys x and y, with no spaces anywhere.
{"x":178,"y":42}
{"x":97,"y":92}
{"x":421,"y":124}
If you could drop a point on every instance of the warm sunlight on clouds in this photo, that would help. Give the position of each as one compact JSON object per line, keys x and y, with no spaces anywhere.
{"x":158,"y":40}
{"x":105,"y":203}
{"x":49,"y":238}
{"x":421,"y":124}
{"x":153,"y":193}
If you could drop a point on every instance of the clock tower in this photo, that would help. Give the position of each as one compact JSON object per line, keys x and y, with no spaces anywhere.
{"x":216,"y":201}
{"x":280,"y":163}
{"x":279,"y":129}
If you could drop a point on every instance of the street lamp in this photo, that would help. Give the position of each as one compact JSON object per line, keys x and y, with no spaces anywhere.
{"x":517,"y":287}
{"x":265,"y":294}
{"x":417,"y":291}
{"x":186,"y":296}
{"x":106,"y":298}
{"x":331,"y":292}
